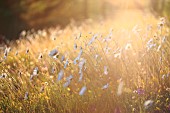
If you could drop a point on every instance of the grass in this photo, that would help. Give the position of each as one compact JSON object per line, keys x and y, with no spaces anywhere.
{"x":123,"y":68}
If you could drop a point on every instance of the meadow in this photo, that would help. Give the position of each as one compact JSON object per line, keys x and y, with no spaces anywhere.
{"x":97,"y":67}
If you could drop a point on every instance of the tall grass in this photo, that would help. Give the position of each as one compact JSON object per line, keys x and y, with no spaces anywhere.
{"x":114,"y":68}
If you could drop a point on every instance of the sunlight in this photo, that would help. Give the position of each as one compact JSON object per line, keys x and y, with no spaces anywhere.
{"x":85,"y":56}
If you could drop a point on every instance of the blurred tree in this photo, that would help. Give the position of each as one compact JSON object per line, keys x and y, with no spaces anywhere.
{"x":161,"y":7}
{"x":25,"y":14}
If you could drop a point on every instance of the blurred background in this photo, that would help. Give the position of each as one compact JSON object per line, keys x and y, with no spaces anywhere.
{"x":19,"y":15}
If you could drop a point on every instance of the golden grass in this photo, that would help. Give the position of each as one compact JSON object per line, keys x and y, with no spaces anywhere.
{"x":122,"y":70}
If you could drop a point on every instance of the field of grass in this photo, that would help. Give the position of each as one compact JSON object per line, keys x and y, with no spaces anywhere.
{"x":98,"y":67}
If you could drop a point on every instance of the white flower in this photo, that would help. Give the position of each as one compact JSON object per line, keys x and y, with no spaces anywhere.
{"x":96,"y":56}
{"x":105,"y":70}
{"x":148,"y":104}
{"x":40,"y":56}
{"x":3,"y":75}
{"x":105,"y":86}
{"x":159,"y":48}
{"x":42,"y":89}
{"x":6,"y":52}
{"x":75,"y":60}
{"x":23,"y":33}
{"x":128,"y":46}
{"x":83,"y":90}
{"x":150,"y":44}
{"x":164,"y":39}
{"x":35,"y":71}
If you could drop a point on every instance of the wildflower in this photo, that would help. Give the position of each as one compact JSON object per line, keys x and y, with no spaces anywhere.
{"x":26,"y":96}
{"x":105,"y":70}
{"x":27,"y":50}
{"x":120,"y":88}
{"x":75,"y":60}
{"x":40,"y":56}
{"x":31,"y":77}
{"x":96,"y":56}
{"x":159,"y":48}
{"x":150,"y":44}
{"x":106,"y":39}
{"x":67,"y":83}
{"x":6,"y":53}
{"x":78,"y":57}
{"x":164,"y":39}
{"x":81,"y":77}
{"x":3,"y":75}
{"x":75,"y":46}
{"x":23,"y":33}
{"x":19,"y":73}
{"x":107,"y":49}
{"x":66,"y":63}
{"x":83,"y":90}
{"x":161,"y":23}
{"x":140,"y":91}
{"x":117,"y":55}
{"x":69,"y":77}
{"x":53,"y":52}
{"x":35,"y":71}
{"x":42,"y":89}
{"x":148,"y":104}
{"x":62,"y":58}
{"x":53,"y":70}
{"x":92,"y":39}
{"x":60,"y":75}
{"x":163,"y":76}
{"x":81,"y":52}
{"x":105,"y":86}
{"x":128,"y":46}
{"x":81,"y":64}
{"x":55,"y":57}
